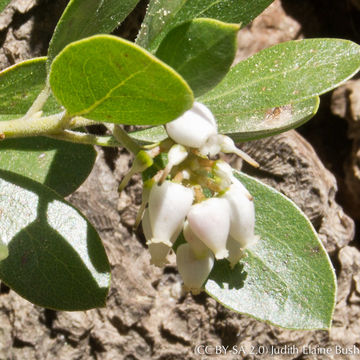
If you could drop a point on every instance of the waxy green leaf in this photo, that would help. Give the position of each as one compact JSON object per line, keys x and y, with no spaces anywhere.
{"x":150,"y":135}
{"x":105,"y":78}
{"x":56,"y":258}
{"x":283,"y":74}
{"x":163,"y":15}
{"x":83,"y":18}
{"x":265,"y":122}
{"x":60,"y":165}
{"x":248,"y":125}
{"x":20,"y":85}
{"x":287,"y":278}
{"x":3,"y":4}
{"x":201,"y":51}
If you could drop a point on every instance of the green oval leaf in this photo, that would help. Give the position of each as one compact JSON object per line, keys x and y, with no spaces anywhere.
{"x":201,"y":51}
{"x":287,"y":278}
{"x":150,"y":135}
{"x":109,"y":79}
{"x":19,"y":87}
{"x":83,"y":18}
{"x":60,"y":165}
{"x":56,"y":259}
{"x":163,"y":15}
{"x":283,"y":74}
{"x":265,"y":122}
{"x":248,"y":125}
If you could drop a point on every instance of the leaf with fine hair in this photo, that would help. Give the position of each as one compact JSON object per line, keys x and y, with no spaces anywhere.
{"x":108,"y":79}
{"x":56,"y":258}
{"x":286,"y":279}
{"x":201,"y":51}
{"x":248,"y":125}
{"x":83,"y":18}
{"x":59,"y":165}
{"x":20,"y":85}
{"x":164,"y":15}
{"x":283,"y":74}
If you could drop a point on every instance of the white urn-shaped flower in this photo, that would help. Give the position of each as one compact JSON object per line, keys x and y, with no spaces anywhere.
{"x":169,"y":204}
{"x":158,"y":251}
{"x":210,"y":222}
{"x":194,"y":271}
{"x":194,"y":127}
{"x":242,"y":214}
{"x":198,"y":247}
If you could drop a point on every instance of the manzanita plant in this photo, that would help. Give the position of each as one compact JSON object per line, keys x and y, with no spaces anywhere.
{"x":245,"y":244}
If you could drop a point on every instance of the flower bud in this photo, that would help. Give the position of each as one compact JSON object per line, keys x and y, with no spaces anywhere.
{"x":158,"y":251}
{"x":210,"y":222}
{"x":176,"y":155}
{"x":141,"y":162}
{"x":223,"y":173}
{"x":242,"y":214}
{"x":223,"y":169}
{"x":199,"y":249}
{"x":193,"y":271}
{"x":168,"y":205}
{"x":194,"y":127}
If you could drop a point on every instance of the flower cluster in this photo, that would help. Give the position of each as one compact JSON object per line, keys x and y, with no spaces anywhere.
{"x":199,"y":197}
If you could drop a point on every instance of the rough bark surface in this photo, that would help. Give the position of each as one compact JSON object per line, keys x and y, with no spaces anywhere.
{"x":289,"y":164}
{"x":147,"y":314}
{"x":346,"y":104}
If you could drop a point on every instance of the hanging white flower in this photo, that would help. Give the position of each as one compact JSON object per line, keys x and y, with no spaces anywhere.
{"x":224,"y":172}
{"x":197,"y":246}
{"x":219,"y":227}
{"x":194,"y":127}
{"x":193,"y":271}
{"x":210,"y":221}
{"x":176,"y":155}
{"x":158,"y":251}
{"x":242,"y":214}
{"x":168,"y":205}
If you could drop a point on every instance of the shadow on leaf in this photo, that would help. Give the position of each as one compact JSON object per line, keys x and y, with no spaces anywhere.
{"x":226,"y":277}
{"x":60,"y":165}
{"x":56,"y":258}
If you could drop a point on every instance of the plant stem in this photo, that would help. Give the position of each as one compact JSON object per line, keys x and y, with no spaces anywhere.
{"x":82,"y":138}
{"x":124,"y":139}
{"x":33,"y":126}
{"x":58,"y":125}
{"x":37,"y":125}
{"x":39,"y":102}
{"x":79,"y":121}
